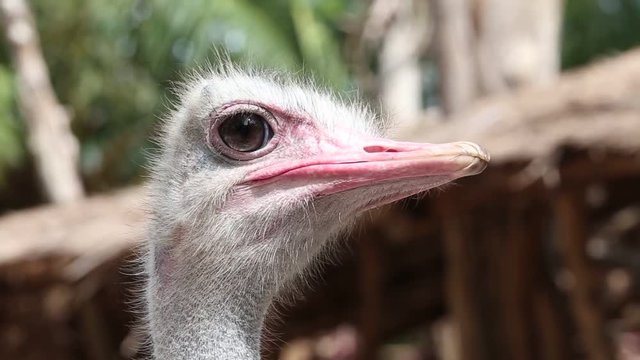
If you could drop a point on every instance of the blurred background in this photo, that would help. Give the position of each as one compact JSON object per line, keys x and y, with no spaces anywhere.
{"x":538,"y":258}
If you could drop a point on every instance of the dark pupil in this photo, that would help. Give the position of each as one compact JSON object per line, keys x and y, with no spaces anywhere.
{"x":245,"y":132}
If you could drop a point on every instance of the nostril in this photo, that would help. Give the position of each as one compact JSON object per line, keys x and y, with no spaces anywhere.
{"x":378,"y":148}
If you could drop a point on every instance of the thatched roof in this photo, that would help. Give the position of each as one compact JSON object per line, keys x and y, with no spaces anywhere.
{"x":597,"y":107}
{"x":83,"y":234}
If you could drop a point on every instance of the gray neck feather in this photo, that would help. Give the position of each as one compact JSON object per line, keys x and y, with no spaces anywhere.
{"x":195,"y":327}
{"x":208,"y":297}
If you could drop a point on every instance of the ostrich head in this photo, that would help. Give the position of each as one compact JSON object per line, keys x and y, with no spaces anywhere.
{"x":256,"y":177}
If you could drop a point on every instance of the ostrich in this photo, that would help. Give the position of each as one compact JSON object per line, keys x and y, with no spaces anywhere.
{"x":257,"y":177}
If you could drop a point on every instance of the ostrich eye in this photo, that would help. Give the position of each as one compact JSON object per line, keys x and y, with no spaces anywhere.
{"x":242,"y":131}
{"x":245,"y":132}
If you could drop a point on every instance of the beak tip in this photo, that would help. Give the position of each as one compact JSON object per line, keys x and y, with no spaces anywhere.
{"x":475,"y":150}
{"x":479,"y":159}
{"x":473,"y":167}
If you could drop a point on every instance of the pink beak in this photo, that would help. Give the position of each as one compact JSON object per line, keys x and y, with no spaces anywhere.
{"x":421,"y":166}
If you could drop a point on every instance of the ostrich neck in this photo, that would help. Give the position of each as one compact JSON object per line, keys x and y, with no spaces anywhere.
{"x":207,"y":306}
{"x":204,"y":322}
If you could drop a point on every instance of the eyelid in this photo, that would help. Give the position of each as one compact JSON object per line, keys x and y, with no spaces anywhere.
{"x":244,"y":106}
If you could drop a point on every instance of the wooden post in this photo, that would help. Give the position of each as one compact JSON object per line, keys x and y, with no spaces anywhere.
{"x":572,"y":238}
{"x":551,"y":331}
{"x":370,"y":282}
{"x":97,"y":344}
{"x":462,"y":299}
{"x":516,"y":283}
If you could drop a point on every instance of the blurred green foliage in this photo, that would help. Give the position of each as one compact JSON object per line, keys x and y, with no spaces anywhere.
{"x":596,"y":28}
{"x":111,"y":61}
{"x":11,"y":146}
{"x":90,"y":50}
